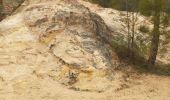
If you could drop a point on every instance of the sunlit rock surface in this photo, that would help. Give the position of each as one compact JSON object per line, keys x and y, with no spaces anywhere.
{"x":59,"y":41}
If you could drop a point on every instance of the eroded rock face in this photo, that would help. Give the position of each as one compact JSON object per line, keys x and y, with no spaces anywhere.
{"x":60,"y":40}
{"x":71,"y":34}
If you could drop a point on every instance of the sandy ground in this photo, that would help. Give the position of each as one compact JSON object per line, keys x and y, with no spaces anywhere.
{"x":145,"y":87}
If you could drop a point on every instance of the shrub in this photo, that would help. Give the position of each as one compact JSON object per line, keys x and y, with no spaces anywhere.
{"x":143,"y":29}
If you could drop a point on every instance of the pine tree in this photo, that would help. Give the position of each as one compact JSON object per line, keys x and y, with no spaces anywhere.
{"x":154,"y":8}
{"x":156,"y":32}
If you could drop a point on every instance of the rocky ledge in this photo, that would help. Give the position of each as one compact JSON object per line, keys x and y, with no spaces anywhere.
{"x":60,"y":40}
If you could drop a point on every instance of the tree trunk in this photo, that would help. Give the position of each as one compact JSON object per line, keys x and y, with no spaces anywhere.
{"x":1,"y":9}
{"x":128,"y":28}
{"x":156,"y":34}
{"x":133,"y":35}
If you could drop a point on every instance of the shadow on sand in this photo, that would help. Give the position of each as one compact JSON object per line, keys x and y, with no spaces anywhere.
{"x":140,"y":63}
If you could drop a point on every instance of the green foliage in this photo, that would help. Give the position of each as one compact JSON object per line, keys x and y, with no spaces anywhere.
{"x":143,"y":29}
{"x":166,"y":20}
{"x":146,"y":7}
{"x":118,"y":4}
{"x":167,"y":34}
{"x":167,"y":38}
{"x":104,"y":3}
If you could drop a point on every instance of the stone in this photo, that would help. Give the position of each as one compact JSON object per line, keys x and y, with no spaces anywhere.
{"x":60,"y":40}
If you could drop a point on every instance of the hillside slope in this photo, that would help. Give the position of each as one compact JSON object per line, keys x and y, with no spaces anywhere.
{"x":116,"y":22}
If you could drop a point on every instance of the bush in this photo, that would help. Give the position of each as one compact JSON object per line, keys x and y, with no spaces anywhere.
{"x":143,"y":29}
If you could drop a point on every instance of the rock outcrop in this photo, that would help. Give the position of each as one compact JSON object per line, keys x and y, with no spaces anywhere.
{"x":60,"y":40}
